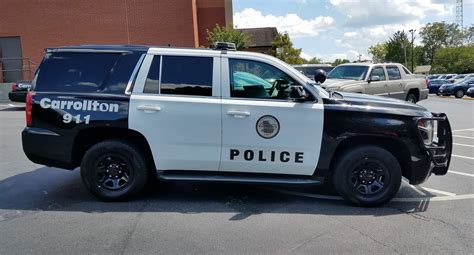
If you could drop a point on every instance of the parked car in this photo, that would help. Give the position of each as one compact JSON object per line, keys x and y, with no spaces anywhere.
{"x":432,"y":76}
{"x":457,"y":89}
{"x":457,"y":78}
{"x":19,"y":91}
{"x":446,"y":76}
{"x":310,"y":70}
{"x":433,"y":85}
{"x":470,"y":92}
{"x":185,"y":115}
{"x":387,"y":79}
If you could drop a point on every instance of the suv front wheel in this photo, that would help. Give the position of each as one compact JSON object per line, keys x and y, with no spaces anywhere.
{"x":367,"y":175}
{"x":114,"y":170}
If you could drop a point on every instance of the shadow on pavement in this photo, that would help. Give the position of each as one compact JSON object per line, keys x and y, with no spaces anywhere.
{"x":51,"y":189}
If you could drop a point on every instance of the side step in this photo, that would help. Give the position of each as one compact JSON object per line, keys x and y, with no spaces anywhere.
{"x":240,"y":178}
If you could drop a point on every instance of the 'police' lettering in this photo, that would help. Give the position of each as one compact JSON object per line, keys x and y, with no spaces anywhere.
{"x":271,"y":156}
{"x":233,"y":154}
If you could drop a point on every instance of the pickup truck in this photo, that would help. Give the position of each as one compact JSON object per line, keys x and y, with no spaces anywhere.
{"x":386,"y":79}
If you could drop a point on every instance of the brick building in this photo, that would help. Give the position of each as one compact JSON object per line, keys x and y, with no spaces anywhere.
{"x":27,"y":27}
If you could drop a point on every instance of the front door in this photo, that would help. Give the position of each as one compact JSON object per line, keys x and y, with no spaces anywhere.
{"x":262,"y":131}
{"x":176,"y":105}
{"x":380,"y":87}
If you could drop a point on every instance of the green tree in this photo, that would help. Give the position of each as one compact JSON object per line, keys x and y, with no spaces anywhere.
{"x":469,"y":35}
{"x":378,"y":52}
{"x":282,"y":48}
{"x":454,"y":60}
{"x":314,"y":60}
{"x":396,"y":47}
{"x":339,"y":61}
{"x":440,"y":34}
{"x":224,"y":34}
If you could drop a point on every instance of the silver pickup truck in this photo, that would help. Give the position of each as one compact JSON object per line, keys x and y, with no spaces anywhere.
{"x":386,"y":79}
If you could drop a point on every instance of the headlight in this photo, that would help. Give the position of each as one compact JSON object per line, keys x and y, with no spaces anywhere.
{"x":426,"y":128}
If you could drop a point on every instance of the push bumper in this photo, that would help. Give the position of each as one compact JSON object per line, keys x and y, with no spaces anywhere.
{"x":439,"y":152}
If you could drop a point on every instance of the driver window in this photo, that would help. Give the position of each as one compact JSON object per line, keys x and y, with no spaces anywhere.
{"x":378,"y":71}
{"x":253,"y":79}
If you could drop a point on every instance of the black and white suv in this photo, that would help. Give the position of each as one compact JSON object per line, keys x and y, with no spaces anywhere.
{"x":126,"y":114}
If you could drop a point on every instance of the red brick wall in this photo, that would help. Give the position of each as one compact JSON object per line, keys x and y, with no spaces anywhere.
{"x":207,"y":19}
{"x":48,"y":23}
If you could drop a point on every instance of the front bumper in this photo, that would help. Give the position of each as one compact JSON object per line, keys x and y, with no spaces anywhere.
{"x":445,"y":92}
{"x":439,"y":152}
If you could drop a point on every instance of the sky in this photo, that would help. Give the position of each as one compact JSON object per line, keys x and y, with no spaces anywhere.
{"x":330,"y":29}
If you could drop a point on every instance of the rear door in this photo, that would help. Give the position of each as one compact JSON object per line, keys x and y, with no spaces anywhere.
{"x":175,"y":104}
{"x":395,"y":82}
{"x":262,"y":132}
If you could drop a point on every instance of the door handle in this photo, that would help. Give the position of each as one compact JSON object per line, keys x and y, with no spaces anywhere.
{"x":238,"y":114}
{"x":149,"y":108}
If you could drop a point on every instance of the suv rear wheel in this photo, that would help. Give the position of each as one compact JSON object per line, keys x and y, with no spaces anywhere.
{"x":367,"y":176}
{"x":411,"y":97}
{"x":114,"y":170}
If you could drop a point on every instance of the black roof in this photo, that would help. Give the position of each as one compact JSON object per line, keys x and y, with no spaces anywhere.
{"x":101,"y":48}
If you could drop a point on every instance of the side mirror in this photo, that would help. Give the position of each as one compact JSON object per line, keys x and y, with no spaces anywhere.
{"x":320,"y":76}
{"x":374,"y":78}
{"x":298,"y":94}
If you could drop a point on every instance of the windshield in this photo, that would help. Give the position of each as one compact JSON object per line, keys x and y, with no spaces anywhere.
{"x":349,"y":72}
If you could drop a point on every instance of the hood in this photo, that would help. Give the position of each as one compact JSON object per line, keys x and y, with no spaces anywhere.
{"x":369,"y":103}
{"x":337,"y":83}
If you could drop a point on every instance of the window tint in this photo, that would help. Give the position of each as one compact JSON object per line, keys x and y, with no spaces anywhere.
{"x":393,"y":73}
{"x":253,"y":79}
{"x":186,"y":75}
{"x":153,"y":78}
{"x":78,"y":71}
{"x":378,"y":71}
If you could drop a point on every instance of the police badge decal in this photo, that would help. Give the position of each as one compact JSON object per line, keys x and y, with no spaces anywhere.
{"x":268,"y":126}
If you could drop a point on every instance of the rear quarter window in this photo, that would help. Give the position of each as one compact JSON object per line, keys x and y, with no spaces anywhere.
{"x":74,"y":71}
{"x":393,"y":73}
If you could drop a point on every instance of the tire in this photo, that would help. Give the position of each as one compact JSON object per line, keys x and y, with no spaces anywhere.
{"x":381,"y":168}
{"x":411,"y":97}
{"x":124,"y":164}
{"x":459,"y":93}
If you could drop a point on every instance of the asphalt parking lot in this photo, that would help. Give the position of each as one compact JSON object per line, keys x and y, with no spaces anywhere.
{"x":47,"y":210}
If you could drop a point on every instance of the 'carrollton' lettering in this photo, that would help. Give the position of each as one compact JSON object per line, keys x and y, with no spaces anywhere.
{"x":84,"y":105}
{"x":262,"y":156}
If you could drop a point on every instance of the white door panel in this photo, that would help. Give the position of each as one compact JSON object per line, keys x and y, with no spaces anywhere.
{"x":294,"y":150}
{"x":184,"y":133}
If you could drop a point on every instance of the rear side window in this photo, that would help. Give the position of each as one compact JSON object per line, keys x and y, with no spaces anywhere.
{"x":74,"y":71}
{"x":393,"y":73}
{"x":186,"y":75}
{"x":153,"y":78}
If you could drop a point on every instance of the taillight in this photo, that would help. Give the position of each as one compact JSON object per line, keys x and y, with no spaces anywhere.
{"x":13,"y":87}
{"x":28,"y":108}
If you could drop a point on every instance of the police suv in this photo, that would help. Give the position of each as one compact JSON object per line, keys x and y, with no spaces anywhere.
{"x":127,"y":114}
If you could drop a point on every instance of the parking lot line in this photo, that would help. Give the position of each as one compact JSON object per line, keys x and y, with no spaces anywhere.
{"x":461,"y":136}
{"x":467,"y":129}
{"x":459,"y":156}
{"x":461,"y":173}
{"x":438,"y":191}
{"x":466,"y":145}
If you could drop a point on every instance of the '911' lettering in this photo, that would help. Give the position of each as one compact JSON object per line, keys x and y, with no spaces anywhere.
{"x":68,"y":118}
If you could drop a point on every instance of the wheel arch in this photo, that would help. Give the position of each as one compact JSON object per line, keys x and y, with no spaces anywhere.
{"x":394,"y":146}
{"x":86,"y":138}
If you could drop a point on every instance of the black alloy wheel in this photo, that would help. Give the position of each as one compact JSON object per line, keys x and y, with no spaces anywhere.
{"x":367,"y":175}
{"x":114,"y":170}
